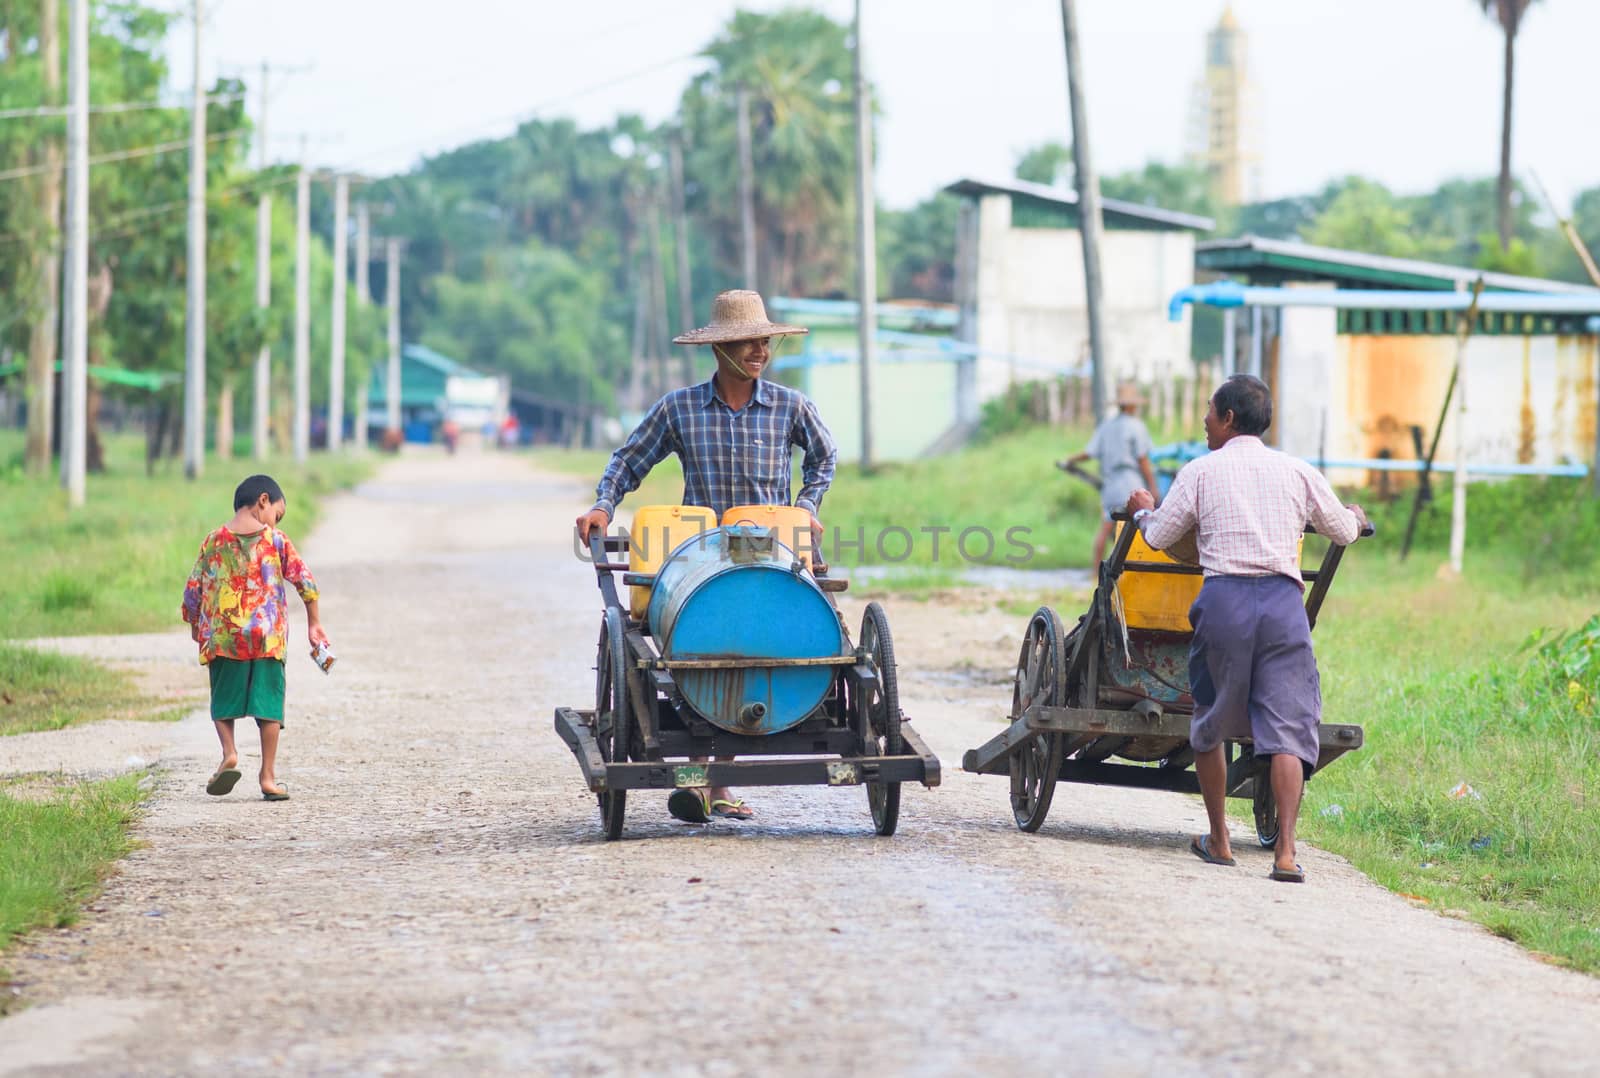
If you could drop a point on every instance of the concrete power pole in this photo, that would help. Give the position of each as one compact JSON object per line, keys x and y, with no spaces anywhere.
{"x":1088,"y":212}
{"x":302,"y":314}
{"x":866,"y":250}
{"x":43,"y":342}
{"x":680,"y":228}
{"x":391,"y":384}
{"x":194,"y":368}
{"x":747,"y":191}
{"x":363,"y":301}
{"x":363,"y":254}
{"x":75,"y":293}
{"x":262,"y":396}
{"x":341,"y":267}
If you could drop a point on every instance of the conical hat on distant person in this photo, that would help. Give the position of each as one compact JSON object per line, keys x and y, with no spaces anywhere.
{"x":737,"y":315}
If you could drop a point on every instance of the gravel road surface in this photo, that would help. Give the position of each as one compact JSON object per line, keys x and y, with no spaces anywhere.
{"x":436,"y":898}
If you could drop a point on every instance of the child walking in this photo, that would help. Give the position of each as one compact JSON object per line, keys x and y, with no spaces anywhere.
{"x":237,"y":609}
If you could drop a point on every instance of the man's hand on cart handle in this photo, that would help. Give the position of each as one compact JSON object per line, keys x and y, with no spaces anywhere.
{"x":1140,"y":499}
{"x":594,"y":518}
{"x":1364,"y":526}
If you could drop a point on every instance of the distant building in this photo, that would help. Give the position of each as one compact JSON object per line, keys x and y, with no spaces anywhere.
{"x":1224,"y":122}
{"x":434,"y":387}
{"x":1021,"y":295}
{"x":1351,"y":384}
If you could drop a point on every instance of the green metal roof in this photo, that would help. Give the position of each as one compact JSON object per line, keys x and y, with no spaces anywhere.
{"x":423,"y":374}
{"x":1274,"y":262}
{"x":1037,"y":205}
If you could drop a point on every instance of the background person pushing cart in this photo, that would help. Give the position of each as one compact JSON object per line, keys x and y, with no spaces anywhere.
{"x":1252,"y":671}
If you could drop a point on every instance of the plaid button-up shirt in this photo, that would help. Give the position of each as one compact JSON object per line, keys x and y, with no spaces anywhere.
{"x":729,"y":457}
{"x":1251,"y":505}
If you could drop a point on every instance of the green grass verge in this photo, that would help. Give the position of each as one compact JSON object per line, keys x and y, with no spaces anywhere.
{"x":118,"y":564}
{"x":55,"y":852}
{"x":41,"y":690}
{"x":1439,"y":675}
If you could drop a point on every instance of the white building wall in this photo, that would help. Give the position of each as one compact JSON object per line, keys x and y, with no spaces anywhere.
{"x":1032,"y":312}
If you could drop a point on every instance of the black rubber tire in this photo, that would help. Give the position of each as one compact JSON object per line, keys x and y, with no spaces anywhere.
{"x":611,"y":716}
{"x":1266,"y":811}
{"x":1036,"y":766}
{"x":882,"y":713}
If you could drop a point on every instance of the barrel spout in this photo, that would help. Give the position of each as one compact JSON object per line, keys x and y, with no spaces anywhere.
{"x":752,"y":713}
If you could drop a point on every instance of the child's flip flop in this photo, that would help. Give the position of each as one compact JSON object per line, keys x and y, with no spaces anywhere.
{"x":280,"y":794}
{"x":224,"y":781}
{"x":688,"y":806}
{"x":1285,"y":875}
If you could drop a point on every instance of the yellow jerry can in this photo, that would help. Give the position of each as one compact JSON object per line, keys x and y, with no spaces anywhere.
{"x":790,"y":525}
{"x":1158,"y":601}
{"x":658,"y":530}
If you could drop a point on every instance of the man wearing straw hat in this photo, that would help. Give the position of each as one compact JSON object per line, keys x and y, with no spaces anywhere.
{"x":733,"y":434}
{"x":1122,"y":446}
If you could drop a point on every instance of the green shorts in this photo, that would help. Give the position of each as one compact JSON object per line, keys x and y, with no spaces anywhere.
{"x":247,"y":687}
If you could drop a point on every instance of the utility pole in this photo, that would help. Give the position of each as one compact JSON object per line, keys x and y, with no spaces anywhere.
{"x":262,"y":397}
{"x":40,"y":390}
{"x":747,"y":191}
{"x":302,"y":312}
{"x":1089,"y":222}
{"x":866,"y":252}
{"x":341,"y":267}
{"x":391,"y":384}
{"x":194,"y":368}
{"x":363,"y":253}
{"x":75,"y":313}
{"x":680,"y":224}
{"x":660,"y":335}
{"x":363,"y":301}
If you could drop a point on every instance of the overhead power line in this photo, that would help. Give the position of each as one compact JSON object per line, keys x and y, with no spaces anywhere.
{"x":118,"y":155}
{"x":45,"y":111}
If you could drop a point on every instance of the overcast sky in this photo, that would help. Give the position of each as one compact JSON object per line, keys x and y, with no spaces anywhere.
{"x":1406,"y":91}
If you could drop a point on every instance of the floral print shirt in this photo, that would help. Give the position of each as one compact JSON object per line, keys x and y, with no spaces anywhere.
{"x":236,"y":595}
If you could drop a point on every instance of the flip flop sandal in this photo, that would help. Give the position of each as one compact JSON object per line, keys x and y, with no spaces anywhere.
{"x":1284,"y":875}
{"x":688,"y":806}
{"x":282,"y":794}
{"x":1201,"y":848}
{"x":224,"y":781}
{"x":729,"y":810}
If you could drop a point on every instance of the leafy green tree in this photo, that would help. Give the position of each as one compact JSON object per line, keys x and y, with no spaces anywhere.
{"x":796,"y":66}
{"x":1184,"y":188}
{"x":1365,"y":216}
{"x":1047,"y":163}
{"x":917,"y":249}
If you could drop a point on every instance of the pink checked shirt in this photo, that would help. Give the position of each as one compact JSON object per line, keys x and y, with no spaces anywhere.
{"x":1251,"y":504}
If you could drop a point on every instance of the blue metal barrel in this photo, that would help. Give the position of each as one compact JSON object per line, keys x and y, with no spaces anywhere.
{"x":738,"y":593}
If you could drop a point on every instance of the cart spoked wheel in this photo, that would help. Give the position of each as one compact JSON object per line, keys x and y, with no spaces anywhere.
{"x":611,"y":716}
{"x":1036,"y":765}
{"x":881,"y":708}
{"x":1266,"y":810}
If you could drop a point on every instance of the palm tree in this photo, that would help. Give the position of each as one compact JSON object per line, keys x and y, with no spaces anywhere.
{"x":1508,"y":13}
{"x":796,"y":66}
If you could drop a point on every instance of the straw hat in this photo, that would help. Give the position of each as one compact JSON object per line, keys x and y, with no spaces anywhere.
{"x":1128,"y":395}
{"x":738,"y":315}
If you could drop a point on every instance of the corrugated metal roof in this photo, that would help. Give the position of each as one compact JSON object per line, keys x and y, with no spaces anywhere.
{"x":1111,"y":208}
{"x":1305,"y":261}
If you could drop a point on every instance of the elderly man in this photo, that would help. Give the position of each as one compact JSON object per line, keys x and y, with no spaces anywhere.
{"x":733,"y":435}
{"x":1251,"y":666}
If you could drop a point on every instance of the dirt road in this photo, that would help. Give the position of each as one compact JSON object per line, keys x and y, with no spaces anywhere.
{"x":436,"y":897}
